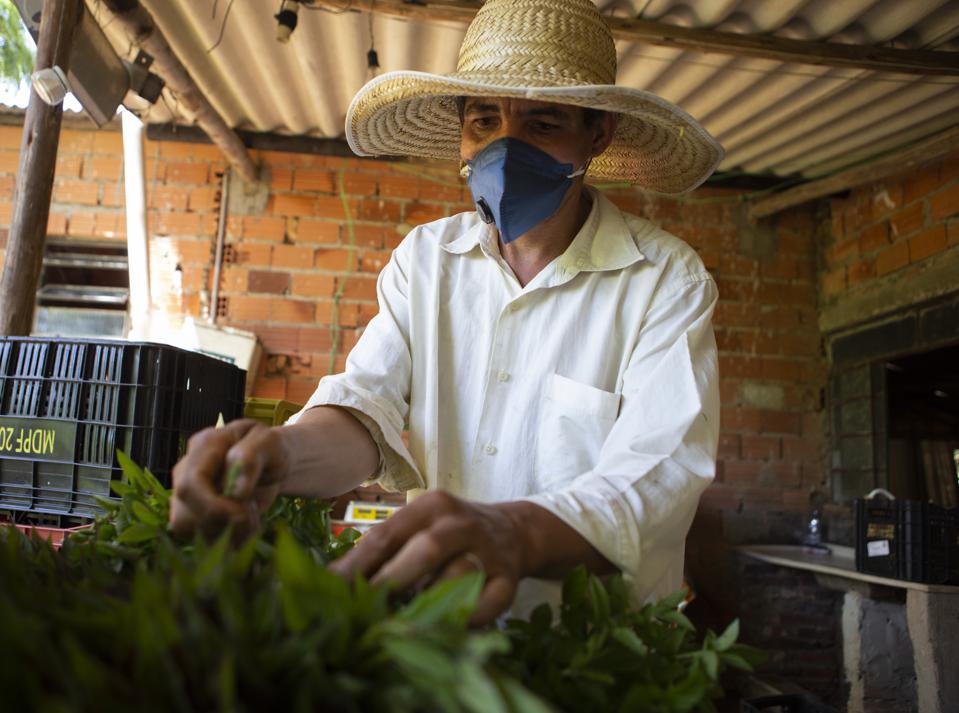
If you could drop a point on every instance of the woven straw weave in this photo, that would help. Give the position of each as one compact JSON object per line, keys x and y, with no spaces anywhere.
{"x":547,"y":50}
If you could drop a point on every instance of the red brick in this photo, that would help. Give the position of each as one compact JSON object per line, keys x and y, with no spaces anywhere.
{"x":81,"y":224}
{"x":874,"y":237}
{"x":740,"y":367}
{"x":73,"y":141}
{"x":57,"y":224}
{"x":365,"y":312}
{"x":729,"y":446}
{"x":11,"y":137}
{"x":781,"y":369}
{"x":741,"y":419}
{"x":920,"y":183}
{"x":294,"y":205}
{"x":834,"y":282}
{"x":293,"y":256}
{"x":735,"y":314}
{"x":841,"y":252}
{"x":355,"y":287}
{"x":360,"y":184}
{"x":314,"y":181}
{"x":332,"y":208}
{"x":400,"y":187}
{"x":181,"y":150}
{"x":780,"y":422}
{"x":420,"y":213}
{"x":281,"y":179}
{"x":167,"y":197}
{"x":710,"y":257}
{"x":761,"y":448}
{"x":782,"y":268}
{"x":314,"y":339}
{"x":270,"y":388}
{"x":254,"y":254}
{"x":102,"y":168}
{"x":861,"y":270}
{"x":299,"y":391}
{"x":929,"y":242}
{"x":335,"y":260}
{"x":945,"y":203}
{"x":276,"y":283}
{"x":387,"y":211}
{"x":952,"y":232}
{"x":374,"y":260}
{"x":308,"y":284}
{"x":74,"y":192}
{"x":907,"y":221}
{"x":174,"y":223}
{"x":203,"y":199}
{"x":234,"y":279}
{"x":190,"y":251}
{"x":370,"y":236}
{"x":108,"y":142}
{"x":69,"y":166}
{"x":320,"y":232}
{"x":279,"y":340}
{"x":264,"y":228}
{"x":292,"y":311}
{"x":110,"y":225}
{"x":9,"y":161}
{"x":892,"y":258}
{"x":180,"y":172}
{"x":194,"y":278}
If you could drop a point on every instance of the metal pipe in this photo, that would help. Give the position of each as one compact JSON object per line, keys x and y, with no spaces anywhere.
{"x":218,"y":255}
{"x":138,"y":246}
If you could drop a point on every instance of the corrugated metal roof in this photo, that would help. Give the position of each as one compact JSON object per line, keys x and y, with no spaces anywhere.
{"x":772,"y":117}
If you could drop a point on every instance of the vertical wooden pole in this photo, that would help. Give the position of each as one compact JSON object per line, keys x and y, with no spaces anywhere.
{"x":38,"y":157}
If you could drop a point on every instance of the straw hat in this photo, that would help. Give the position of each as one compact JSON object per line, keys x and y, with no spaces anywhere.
{"x":546,"y":50}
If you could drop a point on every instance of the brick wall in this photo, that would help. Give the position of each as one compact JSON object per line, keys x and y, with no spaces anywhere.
{"x":891,"y":228}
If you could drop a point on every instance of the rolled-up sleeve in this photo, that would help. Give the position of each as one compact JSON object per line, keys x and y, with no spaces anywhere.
{"x":375,"y":387}
{"x":637,"y":504}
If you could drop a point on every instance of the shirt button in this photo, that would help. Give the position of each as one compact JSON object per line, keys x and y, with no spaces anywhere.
{"x":490,"y":449}
{"x":503,"y":376}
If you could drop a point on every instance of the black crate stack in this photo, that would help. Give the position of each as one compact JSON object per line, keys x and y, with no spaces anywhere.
{"x":907,"y":539}
{"x":66,"y":406}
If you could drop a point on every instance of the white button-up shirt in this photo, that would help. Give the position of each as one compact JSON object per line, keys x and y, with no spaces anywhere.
{"x":592,"y":391}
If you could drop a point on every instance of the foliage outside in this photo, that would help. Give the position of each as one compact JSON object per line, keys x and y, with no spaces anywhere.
{"x":125,"y":617}
{"x":16,"y":55}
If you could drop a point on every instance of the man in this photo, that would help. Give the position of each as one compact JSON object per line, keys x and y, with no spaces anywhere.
{"x":553,"y":358}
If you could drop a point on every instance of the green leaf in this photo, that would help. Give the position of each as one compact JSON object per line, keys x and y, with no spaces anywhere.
{"x":477,"y":692}
{"x":521,"y":699}
{"x":451,"y":602}
{"x":736,"y":661}
{"x":710,"y":661}
{"x":628,"y":638}
{"x":673,"y":600}
{"x":689,"y":692}
{"x":679,"y":619}
{"x":728,"y":637}
{"x":136,"y":533}
{"x":598,"y":601}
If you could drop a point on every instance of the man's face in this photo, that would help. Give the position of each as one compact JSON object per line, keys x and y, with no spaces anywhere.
{"x":557,"y":129}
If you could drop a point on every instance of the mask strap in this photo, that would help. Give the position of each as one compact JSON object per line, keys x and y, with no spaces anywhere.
{"x":581,"y":171}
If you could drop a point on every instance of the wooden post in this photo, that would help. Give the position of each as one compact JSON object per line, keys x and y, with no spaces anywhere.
{"x":38,"y":157}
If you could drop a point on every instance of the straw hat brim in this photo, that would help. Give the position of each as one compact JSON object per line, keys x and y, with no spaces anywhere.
{"x":657,"y":145}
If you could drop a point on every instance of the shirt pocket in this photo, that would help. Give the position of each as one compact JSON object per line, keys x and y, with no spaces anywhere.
{"x":575,"y":420}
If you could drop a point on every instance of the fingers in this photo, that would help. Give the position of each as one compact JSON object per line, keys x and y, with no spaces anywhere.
{"x":496,"y":598}
{"x":198,"y":502}
{"x":427,"y":552}
{"x":384,"y":541}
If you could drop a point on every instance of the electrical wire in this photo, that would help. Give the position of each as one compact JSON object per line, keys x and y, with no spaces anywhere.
{"x":219,"y":39}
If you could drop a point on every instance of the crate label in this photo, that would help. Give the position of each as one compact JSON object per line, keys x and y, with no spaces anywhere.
{"x":879,"y":548}
{"x":42,"y":439}
{"x":875,"y":531}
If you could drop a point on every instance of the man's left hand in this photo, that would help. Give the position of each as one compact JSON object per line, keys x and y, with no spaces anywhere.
{"x":439,"y":536}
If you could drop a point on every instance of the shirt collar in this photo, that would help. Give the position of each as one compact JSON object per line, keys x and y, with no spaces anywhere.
{"x":604,"y":242}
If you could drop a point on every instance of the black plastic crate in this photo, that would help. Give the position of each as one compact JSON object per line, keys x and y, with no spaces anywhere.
{"x":877,"y":537}
{"x":929,"y":543}
{"x":784,"y":704}
{"x":67,"y":405}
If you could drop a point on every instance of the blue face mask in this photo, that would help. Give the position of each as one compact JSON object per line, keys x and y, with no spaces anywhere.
{"x":516,"y":186}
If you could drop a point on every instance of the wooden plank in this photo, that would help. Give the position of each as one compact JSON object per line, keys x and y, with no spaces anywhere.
{"x":261,"y":141}
{"x":888,"y":165}
{"x":139,"y":24}
{"x":38,"y":157}
{"x":782,"y":49}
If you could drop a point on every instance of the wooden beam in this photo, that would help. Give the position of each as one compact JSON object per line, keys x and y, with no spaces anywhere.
{"x":140,"y":26}
{"x":892,"y":163}
{"x":781,"y":49}
{"x":261,"y":141}
{"x":38,"y":158}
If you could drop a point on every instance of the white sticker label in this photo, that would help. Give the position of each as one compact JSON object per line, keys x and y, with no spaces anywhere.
{"x":879,"y":548}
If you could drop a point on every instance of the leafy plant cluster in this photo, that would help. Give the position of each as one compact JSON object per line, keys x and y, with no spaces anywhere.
{"x":126,"y":617}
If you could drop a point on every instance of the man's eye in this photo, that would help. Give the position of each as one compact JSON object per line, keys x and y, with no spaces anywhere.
{"x":484,"y":122}
{"x":544,"y":126}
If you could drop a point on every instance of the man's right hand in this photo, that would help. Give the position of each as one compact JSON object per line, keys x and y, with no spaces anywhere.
{"x":257,"y":457}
